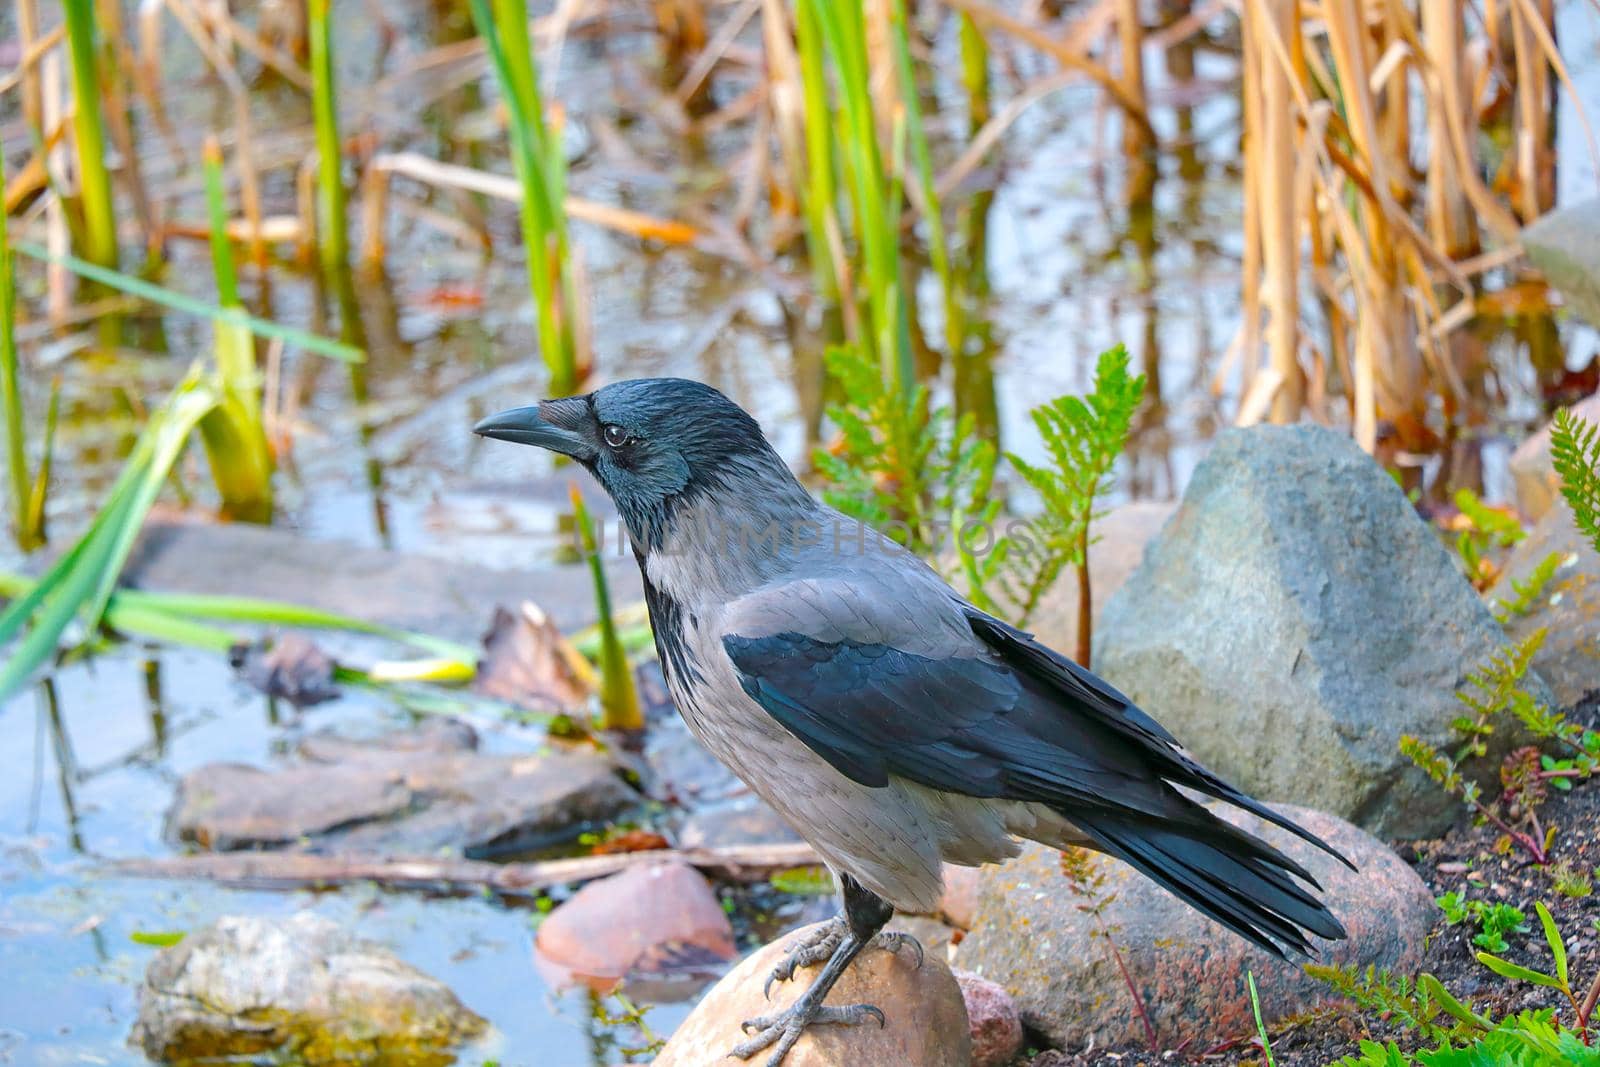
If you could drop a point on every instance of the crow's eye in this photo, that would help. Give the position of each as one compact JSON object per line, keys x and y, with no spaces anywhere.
{"x":616,"y":436}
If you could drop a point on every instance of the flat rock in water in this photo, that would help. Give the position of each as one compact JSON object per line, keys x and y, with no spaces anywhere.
{"x":401,"y":802}
{"x":432,"y":735}
{"x":1533,"y":476}
{"x":1294,"y":618}
{"x":1033,"y":937}
{"x":414,"y":592}
{"x":925,"y":1018}
{"x":646,"y":920}
{"x":1568,"y":609}
{"x":226,"y":806}
{"x":247,"y":987}
{"x":1565,"y":246}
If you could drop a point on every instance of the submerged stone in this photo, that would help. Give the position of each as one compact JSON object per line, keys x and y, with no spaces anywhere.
{"x":301,"y":987}
{"x":401,"y":801}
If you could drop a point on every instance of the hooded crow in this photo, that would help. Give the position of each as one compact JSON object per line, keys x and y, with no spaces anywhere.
{"x":893,"y":724}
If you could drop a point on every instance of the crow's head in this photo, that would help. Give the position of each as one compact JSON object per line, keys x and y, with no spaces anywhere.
{"x":653,"y":443}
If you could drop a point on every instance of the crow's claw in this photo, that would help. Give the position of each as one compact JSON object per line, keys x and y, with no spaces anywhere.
{"x":785,"y":1027}
{"x":814,"y":947}
{"x":895,"y":940}
{"x":820,"y":943}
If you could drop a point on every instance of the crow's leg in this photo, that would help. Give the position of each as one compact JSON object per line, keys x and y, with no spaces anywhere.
{"x":864,"y":917}
{"x":821,"y":941}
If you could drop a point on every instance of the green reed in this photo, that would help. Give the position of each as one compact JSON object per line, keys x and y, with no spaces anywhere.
{"x":821,"y":206}
{"x":28,"y":537}
{"x":875,"y":192}
{"x":80,"y":584}
{"x":537,"y":156}
{"x":938,"y":246}
{"x":333,"y":234}
{"x":234,"y":437}
{"x":619,"y":697}
{"x":99,"y":221}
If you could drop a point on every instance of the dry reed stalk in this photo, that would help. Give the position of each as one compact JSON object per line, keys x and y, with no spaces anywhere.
{"x":1332,"y":123}
{"x":786,"y":105}
{"x":1277,"y":229}
{"x":1138,"y":146}
{"x":32,"y":90}
{"x":1067,"y":51}
{"x":58,"y":239}
{"x":1451,"y":222}
{"x":246,"y":167}
{"x":431,"y":171}
{"x":114,"y":86}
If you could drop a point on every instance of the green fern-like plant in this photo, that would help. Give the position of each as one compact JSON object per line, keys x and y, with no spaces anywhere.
{"x":1528,"y":590}
{"x":1575,"y":453}
{"x":1083,"y":436}
{"x":1491,"y":689}
{"x":900,"y":465}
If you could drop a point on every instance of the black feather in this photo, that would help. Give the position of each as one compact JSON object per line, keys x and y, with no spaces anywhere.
{"x":1025,"y":724}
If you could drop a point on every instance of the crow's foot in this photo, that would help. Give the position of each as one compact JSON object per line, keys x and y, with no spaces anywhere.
{"x":820,"y":942}
{"x":785,"y":1027}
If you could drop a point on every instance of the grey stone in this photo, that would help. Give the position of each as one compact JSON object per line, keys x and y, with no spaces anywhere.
{"x":1036,"y":936}
{"x":414,"y":592}
{"x":1568,"y":609}
{"x":1565,"y":246}
{"x":1533,"y":477}
{"x":225,"y":806}
{"x":433,"y":735}
{"x":248,"y":987}
{"x":402,"y":802}
{"x":1294,"y":618}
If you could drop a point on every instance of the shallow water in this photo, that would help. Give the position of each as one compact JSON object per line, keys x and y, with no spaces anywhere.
{"x":450,"y":337}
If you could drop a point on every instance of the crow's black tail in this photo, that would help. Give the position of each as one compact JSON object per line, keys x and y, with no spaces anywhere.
{"x":1239,"y":880}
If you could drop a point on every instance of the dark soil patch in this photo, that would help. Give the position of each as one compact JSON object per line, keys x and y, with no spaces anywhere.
{"x":1466,"y":860}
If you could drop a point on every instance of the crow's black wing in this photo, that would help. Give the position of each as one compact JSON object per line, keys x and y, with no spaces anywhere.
{"x":963,"y":703}
{"x":1087,"y":694}
{"x":960,"y":724}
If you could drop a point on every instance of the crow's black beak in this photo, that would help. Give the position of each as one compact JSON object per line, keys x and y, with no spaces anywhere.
{"x":552,"y":424}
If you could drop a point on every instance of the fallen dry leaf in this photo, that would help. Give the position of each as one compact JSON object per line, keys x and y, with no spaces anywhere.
{"x":528,"y":662}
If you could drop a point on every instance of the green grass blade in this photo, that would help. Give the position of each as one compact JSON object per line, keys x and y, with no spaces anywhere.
{"x":217,"y":211}
{"x":1261,"y":1027}
{"x":332,"y":224}
{"x":10,"y":391}
{"x":938,"y":245}
{"x":94,"y":182}
{"x":309,"y":342}
{"x":39,"y":495}
{"x":619,"y":698}
{"x":540,"y":164}
{"x":1552,"y":937}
